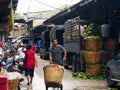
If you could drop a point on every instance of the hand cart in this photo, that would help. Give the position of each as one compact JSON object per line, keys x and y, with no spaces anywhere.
{"x":53,"y":76}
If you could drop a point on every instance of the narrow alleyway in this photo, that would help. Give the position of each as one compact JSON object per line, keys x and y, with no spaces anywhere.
{"x":68,"y":82}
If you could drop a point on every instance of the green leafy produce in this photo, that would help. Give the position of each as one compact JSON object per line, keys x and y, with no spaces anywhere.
{"x":112,"y":89}
{"x":92,"y":31}
{"x":93,"y":37}
{"x":85,"y":76}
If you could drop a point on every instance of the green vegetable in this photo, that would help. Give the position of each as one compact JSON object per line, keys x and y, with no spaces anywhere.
{"x":85,"y":76}
{"x":112,"y":89}
{"x":92,"y":31}
{"x":93,"y":37}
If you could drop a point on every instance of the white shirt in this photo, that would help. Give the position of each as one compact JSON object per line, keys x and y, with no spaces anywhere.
{"x":1,"y":51}
{"x":82,"y":29}
{"x":105,"y":30}
{"x":9,"y":61}
{"x":20,"y":53}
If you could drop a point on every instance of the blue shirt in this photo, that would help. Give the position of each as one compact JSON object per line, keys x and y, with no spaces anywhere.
{"x":38,"y":44}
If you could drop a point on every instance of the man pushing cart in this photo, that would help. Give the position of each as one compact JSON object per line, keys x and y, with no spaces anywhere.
{"x":53,"y":73}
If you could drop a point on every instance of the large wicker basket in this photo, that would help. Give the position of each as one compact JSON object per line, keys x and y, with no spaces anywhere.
{"x":92,"y":44}
{"x":94,"y":69}
{"x":53,"y":74}
{"x":112,"y":44}
{"x":13,"y":84}
{"x":92,"y":57}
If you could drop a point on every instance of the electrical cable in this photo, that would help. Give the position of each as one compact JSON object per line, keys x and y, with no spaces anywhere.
{"x":48,"y":5}
{"x":45,"y":5}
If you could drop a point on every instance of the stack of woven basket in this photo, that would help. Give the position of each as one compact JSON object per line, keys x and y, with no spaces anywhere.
{"x":92,"y":56}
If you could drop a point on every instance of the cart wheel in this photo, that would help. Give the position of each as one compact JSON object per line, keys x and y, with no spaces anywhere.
{"x":61,"y":87}
{"x":19,"y":88}
{"x":74,"y":64}
{"x":46,"y":87}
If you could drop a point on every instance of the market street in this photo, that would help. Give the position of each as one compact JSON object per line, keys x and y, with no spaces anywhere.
{"x":83,"y":36}
{"x":68,"y":82}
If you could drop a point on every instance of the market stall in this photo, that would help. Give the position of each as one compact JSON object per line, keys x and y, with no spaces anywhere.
{"x":9,"y":80}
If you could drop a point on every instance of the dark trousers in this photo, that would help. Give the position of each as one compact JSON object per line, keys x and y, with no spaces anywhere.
{"x":38,"y":50}
{"x":104,"y":45}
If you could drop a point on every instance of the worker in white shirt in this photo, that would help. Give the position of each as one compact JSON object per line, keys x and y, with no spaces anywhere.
{"x":105,"y":32}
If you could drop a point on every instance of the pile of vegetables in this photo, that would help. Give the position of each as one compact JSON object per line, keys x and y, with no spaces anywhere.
{"x":92,"y":31}
{"x":94,"y":37}
{"x":112,"y":89}
{"x":85,"y":76}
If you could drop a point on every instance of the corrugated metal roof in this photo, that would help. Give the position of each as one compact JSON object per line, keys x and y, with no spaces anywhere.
{"x":81,"y":3}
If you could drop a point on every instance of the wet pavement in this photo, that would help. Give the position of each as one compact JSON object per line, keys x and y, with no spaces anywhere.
{"x":68,"y":82}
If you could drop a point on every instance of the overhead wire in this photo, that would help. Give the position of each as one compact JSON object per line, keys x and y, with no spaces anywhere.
{"x":52,"y":7}
{"x":48,"y":5}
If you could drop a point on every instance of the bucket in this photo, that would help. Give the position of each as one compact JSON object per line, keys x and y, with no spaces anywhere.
{"x":92,"y":57}
{"x":3,"y":82}
{"x":53,"y":74}
{"x":92,"y":44}
{"x":94,"y":69}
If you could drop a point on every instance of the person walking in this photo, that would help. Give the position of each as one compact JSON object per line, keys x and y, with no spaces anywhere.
{"x":38,"y":45}
{"x":33,"y":47}
{"x":30,"y":63}
{"x":56,"y":52}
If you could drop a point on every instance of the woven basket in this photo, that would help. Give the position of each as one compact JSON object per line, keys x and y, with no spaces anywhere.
{"x":112,"y":44}
{"x":94,"y":69}
{"x":93,"y":44}
{"x":53,"y":74}
{"x":13,"y":84}
{"x":92,"y":57}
